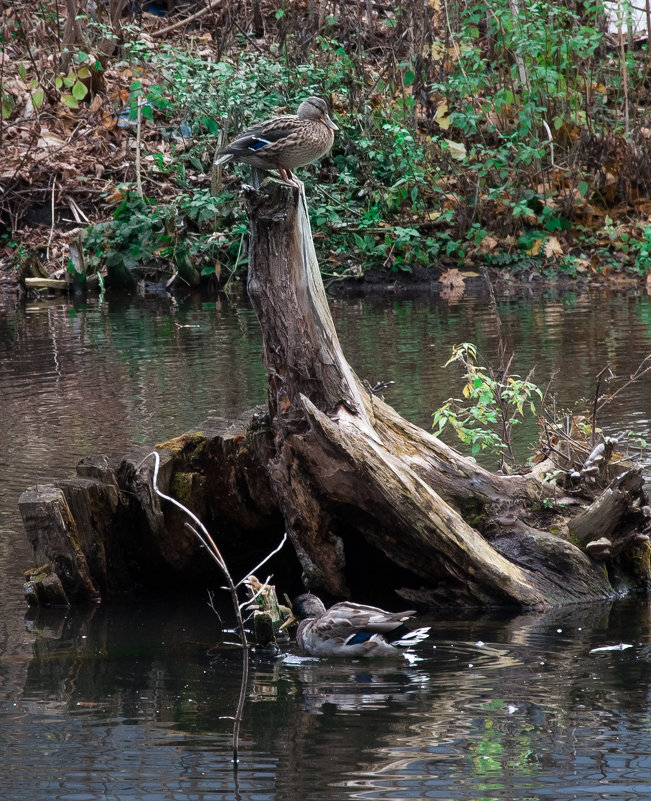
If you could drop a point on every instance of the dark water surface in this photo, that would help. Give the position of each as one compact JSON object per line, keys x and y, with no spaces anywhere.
{"x":130,"y":702}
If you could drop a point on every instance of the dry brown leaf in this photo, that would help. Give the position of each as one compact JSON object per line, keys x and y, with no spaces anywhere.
{"x":452,"y":278}
{"x":48,"y":141}
{"x":95,"y":104}
{"x":492,"y":118}
{"x":116,"y":195}
{"x":553,"y":247}
{"x":109,"y":121}
{"x":487,"y":244}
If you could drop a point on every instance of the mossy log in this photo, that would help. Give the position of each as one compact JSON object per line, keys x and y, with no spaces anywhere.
{"x":369,"y":498}
{"x":104,"y":533}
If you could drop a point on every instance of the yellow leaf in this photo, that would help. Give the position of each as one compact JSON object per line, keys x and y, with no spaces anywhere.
{"x":437,"y":51}
{"x":553,"y":247}
{"x":441,"y":115}
{"x":534,"y":250}
{"x":457,"y":149}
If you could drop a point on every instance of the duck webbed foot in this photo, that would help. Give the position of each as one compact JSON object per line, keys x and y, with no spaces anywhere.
{"x":289,"y":178}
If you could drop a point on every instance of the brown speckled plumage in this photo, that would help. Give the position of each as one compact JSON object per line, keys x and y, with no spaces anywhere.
{"x":284,"y":143}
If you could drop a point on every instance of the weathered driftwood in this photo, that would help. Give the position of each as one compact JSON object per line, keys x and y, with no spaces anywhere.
{"x":364,"y":491}
{"x":91,"y":282}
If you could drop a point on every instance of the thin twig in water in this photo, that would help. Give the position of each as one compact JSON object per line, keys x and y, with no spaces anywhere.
{"x":266,"y":559}
{"x":594,"y":405}
{"x":207,"y":541}
{"x":639,"y":372}
{"x":204,"y":537}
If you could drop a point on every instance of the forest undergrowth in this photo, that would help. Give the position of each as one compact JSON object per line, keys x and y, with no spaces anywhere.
{"x":472,"y":135}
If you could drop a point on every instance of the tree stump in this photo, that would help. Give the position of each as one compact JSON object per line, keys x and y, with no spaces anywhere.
{"x":372,"y":502}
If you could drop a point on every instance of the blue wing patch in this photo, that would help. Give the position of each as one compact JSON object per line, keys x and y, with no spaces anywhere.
{"x":258,"y":143}
{"x":360,"y":637}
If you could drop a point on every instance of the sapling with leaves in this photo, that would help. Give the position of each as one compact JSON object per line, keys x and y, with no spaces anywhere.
{"x":491,"y":405}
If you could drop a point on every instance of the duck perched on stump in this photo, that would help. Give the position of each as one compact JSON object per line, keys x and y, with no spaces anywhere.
{"x":285,"y":143}
{"x":348,"y":629}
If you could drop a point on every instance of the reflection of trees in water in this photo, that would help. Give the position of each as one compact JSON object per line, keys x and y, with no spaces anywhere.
{"x":497,"y":701}
{"x":473,"y":714}
{"x":106,"y":374}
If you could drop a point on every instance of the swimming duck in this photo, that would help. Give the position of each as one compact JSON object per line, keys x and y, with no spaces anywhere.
{"x":348,"y":629}
{"x":285,"y":143}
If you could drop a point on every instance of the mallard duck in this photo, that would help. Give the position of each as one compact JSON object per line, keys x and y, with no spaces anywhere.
{"x":285,"y":143}
{"x":348,"y":629}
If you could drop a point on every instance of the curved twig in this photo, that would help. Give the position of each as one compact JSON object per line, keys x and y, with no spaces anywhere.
{"x":204,"y":537}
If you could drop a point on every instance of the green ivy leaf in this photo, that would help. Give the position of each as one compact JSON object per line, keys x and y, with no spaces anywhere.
{"x":38,"y":95}
{"x":211,"y":125}
{"x":409,"y":77}
{"x":79,"y":90}
{"x":7,"y":106}
{"x":70,"y":101}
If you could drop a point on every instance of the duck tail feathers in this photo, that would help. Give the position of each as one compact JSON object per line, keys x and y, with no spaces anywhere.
{"x":222,"y":158}
{"x":412,"y":637}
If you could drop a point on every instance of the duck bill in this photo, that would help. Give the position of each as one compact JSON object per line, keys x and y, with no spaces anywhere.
{"x":291,"y":619}
{"x":330,"y":124}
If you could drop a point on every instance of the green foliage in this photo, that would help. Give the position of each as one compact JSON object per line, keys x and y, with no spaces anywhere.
{"x":484,"y":418}
{"x":388,"y":196}
{"x":131,"y":238}
{"x":643,"y":253}
{"x":144,"y":237}
{"x":539,"y":71}
{"x":366,"y":212}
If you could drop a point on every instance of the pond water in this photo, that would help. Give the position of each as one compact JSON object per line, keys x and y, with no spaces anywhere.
{"x":130,"y":702}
